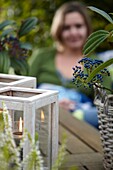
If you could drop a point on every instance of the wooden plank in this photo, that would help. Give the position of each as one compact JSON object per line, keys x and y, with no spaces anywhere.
{"x":85,"y":132}
{"x":74,"y":145}
{"x":90,"y":161}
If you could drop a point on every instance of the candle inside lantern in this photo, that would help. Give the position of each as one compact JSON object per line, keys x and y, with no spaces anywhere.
{"x":18,"y":133}
{"x":20,"y":125}
{"x":18,"y":136}
{"x":42,"y":116}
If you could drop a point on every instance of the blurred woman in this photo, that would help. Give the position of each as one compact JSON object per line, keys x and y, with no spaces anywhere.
{"x":53,"y":66}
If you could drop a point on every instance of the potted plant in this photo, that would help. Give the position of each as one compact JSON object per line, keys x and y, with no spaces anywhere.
{"x":13,"y":50}
{"x":92,"y":76}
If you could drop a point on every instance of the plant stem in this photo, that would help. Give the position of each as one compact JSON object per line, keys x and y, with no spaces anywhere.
{"x":103,"y":87}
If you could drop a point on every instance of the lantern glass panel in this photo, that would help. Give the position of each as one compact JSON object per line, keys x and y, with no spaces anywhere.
{"x":42,"y":127}
{"x":17,"y":120}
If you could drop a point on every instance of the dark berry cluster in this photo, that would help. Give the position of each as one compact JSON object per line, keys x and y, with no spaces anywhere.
{"x":90,"y":63}
{"x":81,"y":76}
{"x":13,"y":46}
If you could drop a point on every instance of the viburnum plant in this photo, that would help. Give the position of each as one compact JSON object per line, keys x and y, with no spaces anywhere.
{"x":95,"y":70}
{"x":13,"y":51}
{"x":81,"y":77}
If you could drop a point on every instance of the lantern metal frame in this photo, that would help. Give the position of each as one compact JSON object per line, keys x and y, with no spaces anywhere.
{"x":16,"y":80}
{"x":29,"y":100}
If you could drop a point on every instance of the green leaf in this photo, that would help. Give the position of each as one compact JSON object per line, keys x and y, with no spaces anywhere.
{"x":99,"y":68}
{"x":6,"y":152}
{"x":94,"y":41}
{"x":6,"y":32}
{"x":111,"y":13}
{"x":20,"y":66}
{"x":6,"y":23}
{"x":4,"y":62}
{"x":29,"y":137}
{"x":36,"y":137}
{"x":1,"y":122}
{"x":94,"y":37}
{"x":101,"y":12}
{"x":27,"y":46}
{"x":27,"y":26}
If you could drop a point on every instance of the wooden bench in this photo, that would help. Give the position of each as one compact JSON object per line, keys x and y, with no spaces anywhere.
{"x":84,"y":148}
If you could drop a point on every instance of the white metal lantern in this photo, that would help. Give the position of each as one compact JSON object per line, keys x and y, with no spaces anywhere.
{"x":15,"y":80}
{"x":39,"y":112}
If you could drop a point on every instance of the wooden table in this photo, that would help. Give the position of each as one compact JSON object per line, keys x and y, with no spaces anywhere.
{"x":83,"y":147}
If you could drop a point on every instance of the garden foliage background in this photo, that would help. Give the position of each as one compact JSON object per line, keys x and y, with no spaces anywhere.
{"x":44,"y":11}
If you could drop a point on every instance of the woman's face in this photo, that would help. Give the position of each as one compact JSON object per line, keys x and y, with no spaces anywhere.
{"x":74,"y":31}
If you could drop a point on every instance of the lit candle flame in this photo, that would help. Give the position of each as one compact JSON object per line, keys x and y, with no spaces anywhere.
{"x":42,"y":116}
{"x":20,"y":125}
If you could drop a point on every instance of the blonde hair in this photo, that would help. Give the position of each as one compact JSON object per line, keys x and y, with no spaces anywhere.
{"x":57,"y":24}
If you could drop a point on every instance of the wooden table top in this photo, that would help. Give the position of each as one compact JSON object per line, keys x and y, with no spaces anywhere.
{"x":84,"y":148}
